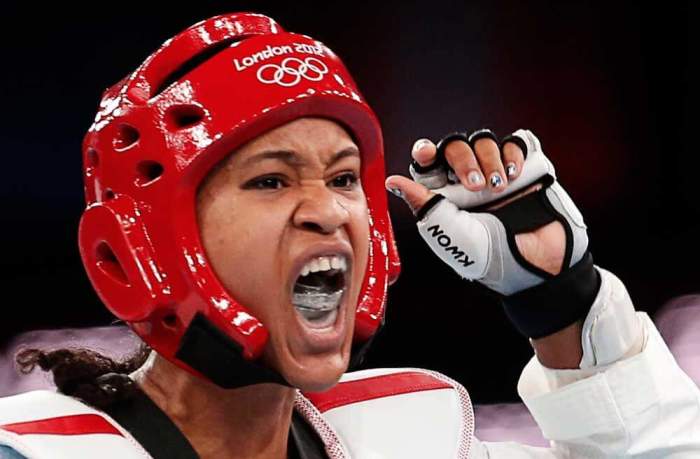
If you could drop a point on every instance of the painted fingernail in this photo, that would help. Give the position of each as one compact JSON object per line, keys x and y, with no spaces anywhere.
{"x":511,"y":169}
{"x":396,"y":192}
{"x":496,"y":180}
{"x":420,"y":144}
{"x":475,"y":178}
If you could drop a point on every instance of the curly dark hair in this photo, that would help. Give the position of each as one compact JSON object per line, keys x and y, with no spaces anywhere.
{"x":87,"y":375}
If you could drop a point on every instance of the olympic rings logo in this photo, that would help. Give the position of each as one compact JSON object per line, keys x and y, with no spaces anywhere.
{"x":291,"y":71}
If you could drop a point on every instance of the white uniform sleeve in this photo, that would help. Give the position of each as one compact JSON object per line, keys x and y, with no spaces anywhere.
{"x":629,"y":399}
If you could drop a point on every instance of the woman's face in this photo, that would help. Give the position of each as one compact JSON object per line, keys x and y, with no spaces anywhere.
{"x":284,"y":223}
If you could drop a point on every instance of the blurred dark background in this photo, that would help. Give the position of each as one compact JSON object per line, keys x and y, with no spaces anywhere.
{"x":609,"y":89}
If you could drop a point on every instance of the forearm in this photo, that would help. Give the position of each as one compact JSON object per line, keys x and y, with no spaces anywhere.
{"x":561,"y":350}
{"x":626,"y":391}
{"x":609,"y":332}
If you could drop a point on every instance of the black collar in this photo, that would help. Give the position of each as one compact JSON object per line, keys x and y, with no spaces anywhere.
{"x":152,"y":428}
{"x":161,"y":438}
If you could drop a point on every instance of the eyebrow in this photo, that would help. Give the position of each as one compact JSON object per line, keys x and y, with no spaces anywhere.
{"x":293,"y":159}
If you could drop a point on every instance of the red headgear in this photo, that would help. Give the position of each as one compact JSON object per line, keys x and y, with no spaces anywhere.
{"x":158,"y":132}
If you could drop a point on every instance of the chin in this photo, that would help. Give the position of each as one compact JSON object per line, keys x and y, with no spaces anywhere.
{"x":317,"y":376}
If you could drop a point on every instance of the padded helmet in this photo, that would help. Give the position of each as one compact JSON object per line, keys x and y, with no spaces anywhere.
{"x":158,"y":132}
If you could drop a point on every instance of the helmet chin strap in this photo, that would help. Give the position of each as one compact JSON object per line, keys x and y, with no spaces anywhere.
{"x":209,"y":351}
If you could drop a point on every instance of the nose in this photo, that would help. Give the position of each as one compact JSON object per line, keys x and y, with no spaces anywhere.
{"x":320,"y":210}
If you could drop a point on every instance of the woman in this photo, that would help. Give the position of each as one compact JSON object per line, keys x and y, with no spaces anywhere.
{"x":237,"y":221}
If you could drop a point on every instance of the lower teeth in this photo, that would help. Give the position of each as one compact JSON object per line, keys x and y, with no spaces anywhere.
{"x":316,"y":306}
{"x":317,"y":301}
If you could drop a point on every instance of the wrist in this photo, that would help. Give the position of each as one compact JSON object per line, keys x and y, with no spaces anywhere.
{"x":612,"y":329}
{"x":562,"y":349}
{"x":557,"y":303}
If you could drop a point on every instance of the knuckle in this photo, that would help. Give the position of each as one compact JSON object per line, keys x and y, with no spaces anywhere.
{"x":458,"y":153}
{"x":512,"y":151}
{"x":452,"y":150}
{"x":486,"y":142}
{"x":487,"y":151}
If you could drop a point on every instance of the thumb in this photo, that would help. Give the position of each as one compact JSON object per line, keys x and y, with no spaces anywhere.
{"x":414,"y":194}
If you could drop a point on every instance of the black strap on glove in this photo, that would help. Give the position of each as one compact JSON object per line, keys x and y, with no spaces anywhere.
{"x":556,"y":303}
{"x":561,"y":299}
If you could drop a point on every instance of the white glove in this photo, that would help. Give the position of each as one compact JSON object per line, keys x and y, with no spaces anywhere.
{"x":476,"y":244}
{"x":480,"y":244}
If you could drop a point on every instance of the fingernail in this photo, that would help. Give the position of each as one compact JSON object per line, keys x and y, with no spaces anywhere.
{"x":496,"y":180}
{"x":420,"y":144}
{"x":396,"y":192}
{"x":475,"y":178}
{"x":511,"y":169}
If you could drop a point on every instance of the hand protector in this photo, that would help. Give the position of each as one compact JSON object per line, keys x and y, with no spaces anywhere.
{"x":480,"y":244}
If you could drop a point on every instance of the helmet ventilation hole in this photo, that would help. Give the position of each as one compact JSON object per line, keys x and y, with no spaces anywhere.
{"x":109,"y":264}
{"x":108,"y":194}
{"x":170,"y":321}
{"x":92,"y":158}
{"x":148,"y":172}
{"x":193,"y":63}
{"x":126,"y":137}
{"x":183,"y":116}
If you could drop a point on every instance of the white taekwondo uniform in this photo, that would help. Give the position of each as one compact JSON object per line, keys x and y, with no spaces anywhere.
{"x":629,"y":399}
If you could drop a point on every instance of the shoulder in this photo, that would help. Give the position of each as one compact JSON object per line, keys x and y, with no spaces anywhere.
{"x":49,"y":424}
{"x":386,"y":383}
{"x":399,"y":412}
{"x":39,"y":404}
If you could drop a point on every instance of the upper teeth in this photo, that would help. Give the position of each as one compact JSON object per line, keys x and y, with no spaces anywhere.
{"x":324,"y":264}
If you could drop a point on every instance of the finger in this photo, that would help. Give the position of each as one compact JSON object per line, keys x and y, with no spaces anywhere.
{"x":526,"y":140}
{"x":462,"y":160}
{"x":424,"y":152}
{"x":489,"y":157}
{"x":424,"y":169}
{"x":414,"y":194}
{"x":513,"y":156}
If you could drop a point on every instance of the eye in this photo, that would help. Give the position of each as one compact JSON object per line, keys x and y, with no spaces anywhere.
{"x":265,"y":183}
{"x":347,"y":180}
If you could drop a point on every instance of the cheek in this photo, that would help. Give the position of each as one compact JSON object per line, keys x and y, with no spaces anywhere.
{"x":360,"y":238}
{"x":240,"y":244}
{"x":361,"y":228}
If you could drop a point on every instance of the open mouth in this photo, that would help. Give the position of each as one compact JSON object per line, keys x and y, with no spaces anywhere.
{"x":319,"y":290}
